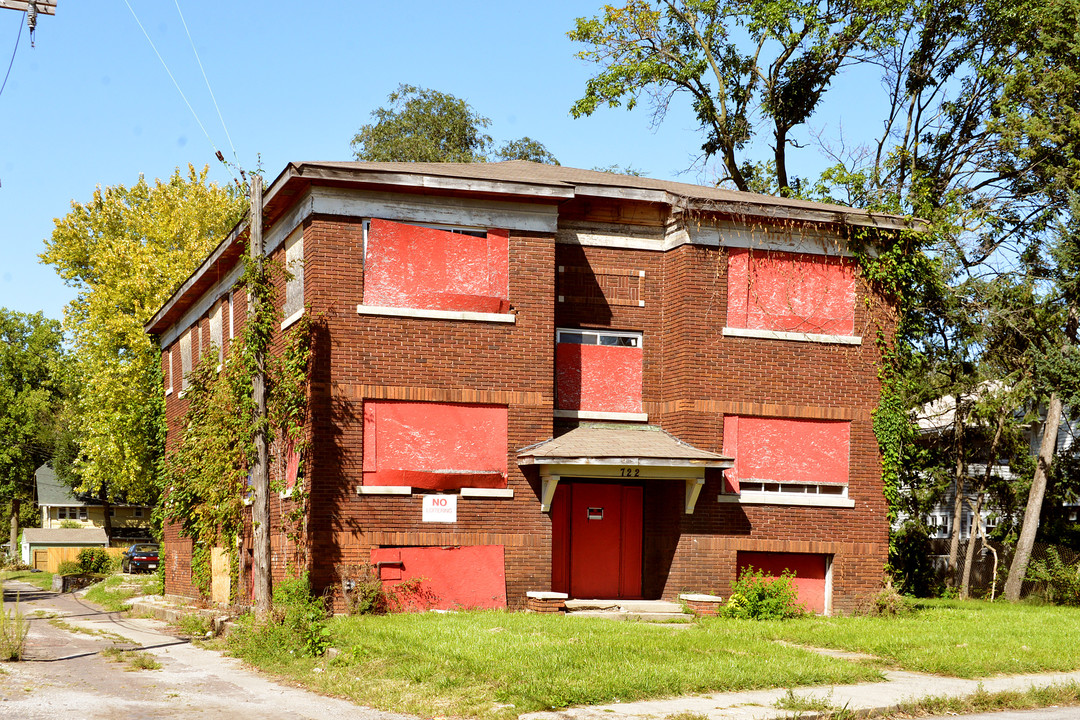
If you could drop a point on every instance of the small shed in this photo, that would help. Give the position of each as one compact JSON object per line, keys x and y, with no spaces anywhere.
{"x":45,"y":549}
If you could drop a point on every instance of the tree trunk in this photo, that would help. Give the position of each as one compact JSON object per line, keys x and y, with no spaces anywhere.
{"x":976,"y":520}
{"x":959,"y":419}
{"x":106,"y":508}
{"x":260,"y":509}
{"x":12,"y":550}
{"x":1018,"y":568}
{"x":969,"y":552}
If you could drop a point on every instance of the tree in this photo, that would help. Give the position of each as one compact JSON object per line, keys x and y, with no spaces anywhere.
{"x":125,"y":251}
{"x":738,"y":60}
{"x":30,"y":354}
{"x":424,"y":125}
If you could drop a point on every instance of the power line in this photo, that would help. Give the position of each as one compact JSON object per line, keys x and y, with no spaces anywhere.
{"x":175,"y":84}
{"x":207,"y":80}
{"x":12,"y":63}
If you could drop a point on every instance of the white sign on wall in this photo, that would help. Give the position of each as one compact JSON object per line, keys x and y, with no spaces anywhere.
{"x":440,"y":508}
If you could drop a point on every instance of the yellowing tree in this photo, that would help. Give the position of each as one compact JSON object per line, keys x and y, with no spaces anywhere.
{"x":126,"y":250}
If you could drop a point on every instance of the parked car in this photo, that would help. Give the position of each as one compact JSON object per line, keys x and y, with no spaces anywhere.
{"x":141,"y":556}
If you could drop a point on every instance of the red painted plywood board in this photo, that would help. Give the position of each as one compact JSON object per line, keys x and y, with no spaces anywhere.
{"x":434,"y":445}
{"x":448,"y":578}
{"x":418,"y":267}
{"x":787,"y":450}
{"x":810,"y":572}
{"x":598,"y":378}
{"x":791,"y":292}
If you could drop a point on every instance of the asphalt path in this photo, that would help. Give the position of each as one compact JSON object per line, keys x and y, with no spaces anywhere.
{"x":64,"y":674}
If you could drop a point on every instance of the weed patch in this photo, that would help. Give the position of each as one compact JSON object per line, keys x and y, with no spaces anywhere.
{"x":14,"y":627}
{"x":114,"y":592}
{"x":133,"y":659}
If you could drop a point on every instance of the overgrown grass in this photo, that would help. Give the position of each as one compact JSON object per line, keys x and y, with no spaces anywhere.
{"x":134,"y":659}
{"x":498,"y":664}
{"x":968,"y":639}
{"x":114,"y":592}
{"x":42,"y":580}
{"x":1062,"y":695}
{"x":14,"y":627}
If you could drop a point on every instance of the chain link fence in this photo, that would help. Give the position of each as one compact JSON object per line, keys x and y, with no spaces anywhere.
{"x":983,"y":574}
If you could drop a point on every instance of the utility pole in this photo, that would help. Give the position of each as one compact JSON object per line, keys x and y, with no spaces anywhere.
{"x":260,"y":508}
{"x":32,"y":8}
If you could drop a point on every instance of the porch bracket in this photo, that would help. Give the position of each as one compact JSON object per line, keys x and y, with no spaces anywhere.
{"x":693,"y":489}
{"x":548,"y":483}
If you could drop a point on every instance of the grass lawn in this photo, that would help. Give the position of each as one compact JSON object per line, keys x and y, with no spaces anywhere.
{"x":498,"y":664}
{"x":41,"y":579}
{"x":964,"y":639}
{"x":114,"y":592}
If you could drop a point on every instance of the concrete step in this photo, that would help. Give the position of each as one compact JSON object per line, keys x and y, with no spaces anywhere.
{"x":630,"y":606}
{"x":654,"y":617}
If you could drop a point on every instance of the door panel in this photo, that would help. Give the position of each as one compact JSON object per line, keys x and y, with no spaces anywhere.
{"x":595,"y":532}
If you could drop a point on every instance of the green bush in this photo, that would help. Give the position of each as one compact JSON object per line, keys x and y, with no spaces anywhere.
{"x":363,"y":589}
{"x":911,"y":560}
{"x":70,"y":524}
{"x":95,"y":560}
{"x":757,"y":596}
{"x":69,"y":567}
{"x":296,"y":627}
{"x":1059,"y":582}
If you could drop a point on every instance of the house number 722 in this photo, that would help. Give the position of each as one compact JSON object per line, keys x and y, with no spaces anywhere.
{"x":629,"y":472}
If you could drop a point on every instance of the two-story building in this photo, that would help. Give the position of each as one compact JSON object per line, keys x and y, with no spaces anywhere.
{"x":530,"y":378}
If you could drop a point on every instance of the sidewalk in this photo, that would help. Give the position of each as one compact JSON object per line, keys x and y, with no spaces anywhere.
{"x":864,"y":698}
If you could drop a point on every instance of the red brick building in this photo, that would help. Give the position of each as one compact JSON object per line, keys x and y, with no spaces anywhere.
{"x":532,"y":378}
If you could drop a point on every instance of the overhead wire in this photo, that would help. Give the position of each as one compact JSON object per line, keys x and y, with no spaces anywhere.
{"x":177,"y":86}
{"x":207,"y":80}
{"x":12,"y":63}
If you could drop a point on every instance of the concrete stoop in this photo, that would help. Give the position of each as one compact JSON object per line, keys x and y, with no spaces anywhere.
{"x":172,"y":610}
{"x":658,"y":611}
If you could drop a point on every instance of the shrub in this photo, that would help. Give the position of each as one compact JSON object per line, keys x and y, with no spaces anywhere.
{"x":886,"y":603}
{"x":69,"y":567}
{"x":296,"y":626}
{"x":757,"y":596}
{"x":14,"y":628}
{"x":70,"y":524}
{"x":362,"y":589}
{"x":1060,"y":581}
{"x":95,"y":560}
{"x":911,"y":560}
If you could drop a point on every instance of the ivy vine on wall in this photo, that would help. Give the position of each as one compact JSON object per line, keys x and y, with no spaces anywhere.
{"x":207,"y":470}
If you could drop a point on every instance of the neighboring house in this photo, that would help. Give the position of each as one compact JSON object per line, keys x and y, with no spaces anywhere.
{"x":935,"y":422}
{"x":65,"y":543}
{"x":536,"y":378}
{"x":59,"y":506}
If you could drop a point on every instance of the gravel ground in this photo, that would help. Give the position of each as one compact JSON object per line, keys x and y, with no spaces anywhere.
{"x":64,"y":673}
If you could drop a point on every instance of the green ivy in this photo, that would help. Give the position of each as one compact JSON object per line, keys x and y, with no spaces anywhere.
{"x":207,"y":471}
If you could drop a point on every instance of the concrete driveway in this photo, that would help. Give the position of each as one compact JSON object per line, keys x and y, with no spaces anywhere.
{"x":65,"y":675}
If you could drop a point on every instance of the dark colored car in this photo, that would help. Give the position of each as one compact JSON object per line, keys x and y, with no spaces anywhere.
{"x":140,"y":557}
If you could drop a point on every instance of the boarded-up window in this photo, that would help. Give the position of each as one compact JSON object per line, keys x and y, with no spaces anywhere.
{"x":294,"y":265}
{"x":810,"y":573}
{"x":418,"y":267}
{"x":598,"y":371}
{"x":434,"y":445}
{"x":292,"y":464}
{"x":185,"y":359}
{"x":791,"y":292}
{"x":215,"y":331}
{"x":785,"y":450}
{"x":447,"y":578}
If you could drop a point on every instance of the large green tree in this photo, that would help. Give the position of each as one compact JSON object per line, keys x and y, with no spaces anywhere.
{"x":424,"y":125}
{"x":31,"y":352}
{"x":125,"y":251}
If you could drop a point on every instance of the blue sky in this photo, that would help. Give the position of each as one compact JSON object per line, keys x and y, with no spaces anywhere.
{"x":92,"y":105}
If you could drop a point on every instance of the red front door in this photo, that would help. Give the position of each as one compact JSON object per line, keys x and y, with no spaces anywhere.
{"x":596,"y":540}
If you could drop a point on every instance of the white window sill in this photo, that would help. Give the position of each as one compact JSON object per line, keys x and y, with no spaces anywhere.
{"x":406,"y":490}
{"x":487,"y":492}
{"x":181,"y":394}
{"x":292,"y":318}
{"x":288,"y":494}
{"x":168,"y":392}
{"x":383,"y":490}
{"x":794,"y":336}
{"x":589,"y":415}
{"x":761,"y":498}
{"x":436,"y":314}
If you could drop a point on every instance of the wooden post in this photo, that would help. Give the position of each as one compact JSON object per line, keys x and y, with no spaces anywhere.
{"x":12,"y":550}
{"x":260,"y":509}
